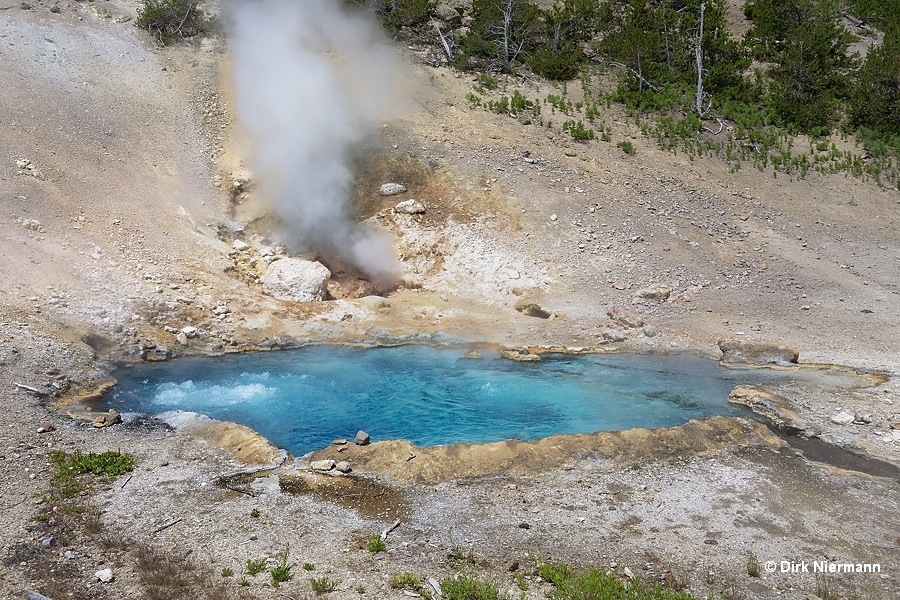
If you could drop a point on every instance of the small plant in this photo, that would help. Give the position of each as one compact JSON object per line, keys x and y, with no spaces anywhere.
{"x":322,"y":585}
{"x":412,"y":582}
{"x":282,"y":571}
{"x":578,"y":131}
{"x":169,"y":19}
{"x":823,"y":589}
{"x":752,"y":565}
{"x":626,"y":146}
{"x":376,"y":544}
{"x":520,"y":581}
{"x":555,"y":574}
{"x":255,"y":513}
{"x":227,"y":572}
{"x":244,"y":582}
{"x":309,"y":567}
{"x":465,"y":587}
{"x":487,"y":81}
{"x":360,"y":589}
{"x":255,"y":567}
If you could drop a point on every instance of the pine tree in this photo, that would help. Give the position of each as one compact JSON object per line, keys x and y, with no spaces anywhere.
{"x":875,"y":98}
{"x":808,"y":44}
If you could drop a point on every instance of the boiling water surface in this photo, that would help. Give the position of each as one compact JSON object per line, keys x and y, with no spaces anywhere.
{"x":303,"y":399}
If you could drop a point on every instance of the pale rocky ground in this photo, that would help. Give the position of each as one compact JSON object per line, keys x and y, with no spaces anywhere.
{"x":110,"y":237}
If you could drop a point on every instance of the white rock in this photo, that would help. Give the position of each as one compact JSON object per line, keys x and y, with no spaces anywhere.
{"x":391,"y":189}
{"x":322,"y":465}
{"x":842,"y":418}
{"x":410,"y":207}
{"x":181,"y":338}
{"x":104,"y":576}
{"x":296,"y":280}
{"x":240,"y":245}
{"x":189,"y":331}
{"x":553,"y":217}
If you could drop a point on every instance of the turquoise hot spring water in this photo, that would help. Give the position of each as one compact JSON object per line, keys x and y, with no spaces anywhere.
{"x":303,"y":399}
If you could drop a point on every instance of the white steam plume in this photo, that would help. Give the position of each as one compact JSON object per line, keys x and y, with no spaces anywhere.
{"x":312,"y":82}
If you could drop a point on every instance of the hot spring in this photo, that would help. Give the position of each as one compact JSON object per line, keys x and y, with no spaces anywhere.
{"x":303,"y":399}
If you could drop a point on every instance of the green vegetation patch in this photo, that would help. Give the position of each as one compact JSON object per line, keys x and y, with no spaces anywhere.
{"x":602,"y":585}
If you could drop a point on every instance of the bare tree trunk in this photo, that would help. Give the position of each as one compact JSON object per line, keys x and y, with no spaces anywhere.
{"x":699,"y":56}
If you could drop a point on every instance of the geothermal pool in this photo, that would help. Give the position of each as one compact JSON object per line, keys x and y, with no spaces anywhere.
{"x":303,"y":399}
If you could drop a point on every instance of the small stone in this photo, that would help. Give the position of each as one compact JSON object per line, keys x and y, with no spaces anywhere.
{"x":156,"y":354}
{"x":104,"y":576}
{"x":524,"y":525}
{"x":48,"y":542}
{"x":189,"y":331}
{"x":340,"y":442}
{"x":343,"y":466}
{"x":181,"y":338}
{"x":362,"y":438}
{"x":391,"y":189}
{"x":628,"y":573}
{"x":110,"y":418}
{"x":513,"y":567}
{"x":553,"y":217}
{"x":45,"y":427}
{"x":240,"y":245}
{"x":613,"y":335}
{"x":322,"y":465}
{"x":842,"y":418}
{"x":410,"y":207}
{"x":69,"y":554}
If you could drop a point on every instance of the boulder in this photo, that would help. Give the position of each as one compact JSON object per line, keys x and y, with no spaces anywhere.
{"x":448,"y":14}
{"x":391,"y":189}
{"x":343,"y":466}
{"x":613,"y":335}
{"x":531,"y":309}
{"x":410,"y":207}
{"x":106,"y":419}
{"x":624,"y":318}
{"x":240,"y":245}
{"x":755,"y":353}
{"x":843,"y":418}
{"x":520,"y":356}
{"x":655,"y":293}
{"x":322,"y":465}
{"x":296,"y":280}
{"x":361,"y":439}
